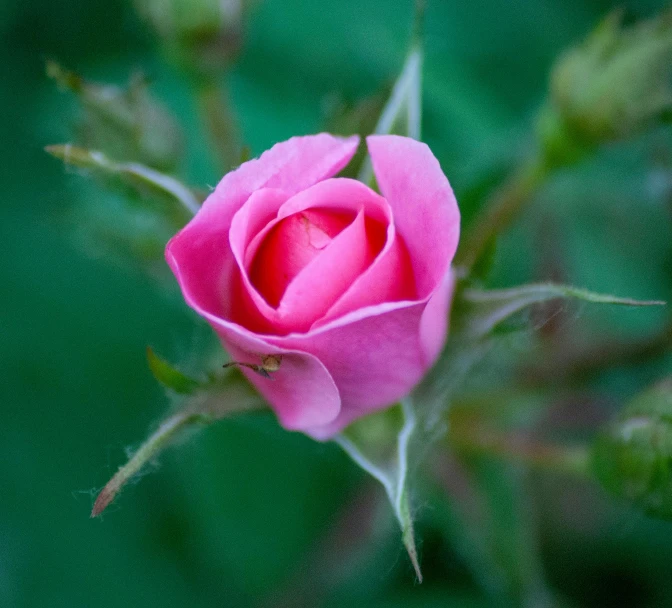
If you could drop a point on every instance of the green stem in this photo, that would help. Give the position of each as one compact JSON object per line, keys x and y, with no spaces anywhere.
{"x":418,"y":34}
{"x":572,"y":460}
{"x":166,"y":432}
{"x":219,"y":121}
{"x":502,"y":209}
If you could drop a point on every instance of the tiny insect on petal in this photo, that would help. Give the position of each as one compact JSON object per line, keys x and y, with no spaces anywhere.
{"x":269,"y":364}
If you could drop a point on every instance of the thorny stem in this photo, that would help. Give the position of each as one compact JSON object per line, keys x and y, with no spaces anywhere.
{"x":501,"y":210}
{"x":166,"y":432}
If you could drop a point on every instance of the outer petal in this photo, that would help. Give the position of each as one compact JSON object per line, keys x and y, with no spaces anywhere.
{"x":434,"y":321}
{"x":302,"y":392}
{"x":376,"y":355}
{"x":201,"y":252}
{"x":424,"y":206}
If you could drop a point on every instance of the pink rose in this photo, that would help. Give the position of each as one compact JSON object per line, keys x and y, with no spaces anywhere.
{"x":349,"y":289}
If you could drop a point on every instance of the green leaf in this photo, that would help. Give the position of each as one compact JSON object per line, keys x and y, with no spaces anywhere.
{"x":170,"y":377}
{"x":391,"y":443}
{"x":139,"y":177}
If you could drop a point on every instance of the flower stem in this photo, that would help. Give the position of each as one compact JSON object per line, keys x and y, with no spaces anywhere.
{"x":166,"y":432}
{"x":417,"y":37}
{"x":573,"y":361}
{"x":219,"y":121}
{"x":572,"y":460}
{"x":501,"y":210}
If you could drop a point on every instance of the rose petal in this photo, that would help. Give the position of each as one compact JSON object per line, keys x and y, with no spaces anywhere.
{"x":302,"y":391}
{"x":388,"y":279}
{"x":320,"y":283}
{"x":341,"y":194}
{"x":375,"y":357}
{"x":260,"y":210}
{"x":289,"y":247}
{"x":201,"y":252}
{"x":299,"y":312}
{"x":423,"y":204}
{"x":435,"y":317}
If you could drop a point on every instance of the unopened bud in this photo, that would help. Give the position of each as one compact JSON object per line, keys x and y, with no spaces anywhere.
{"x":613,"y":85}
{"x":126,"y":123}
{"x":204,"y":34}
{"x":633,"y":455}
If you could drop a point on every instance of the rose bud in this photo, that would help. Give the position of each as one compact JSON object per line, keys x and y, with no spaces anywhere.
{"x":127,"y":123}
{"x":612,"y":86}
{"x":632,"y":455}
{"x":206,"y":34}
{"x":345,"y":289}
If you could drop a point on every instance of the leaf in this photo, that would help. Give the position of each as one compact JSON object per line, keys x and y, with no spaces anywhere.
{"x":391,"y":443}
{"x":136,"y":175}
{"x":170,"y":377}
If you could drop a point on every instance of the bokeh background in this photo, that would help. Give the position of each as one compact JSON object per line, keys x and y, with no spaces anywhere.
{"x":246,"y":514}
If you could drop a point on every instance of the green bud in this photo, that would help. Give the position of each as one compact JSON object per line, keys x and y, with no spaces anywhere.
{"x":204,"y":35}
{"x":632,"y":457}
{"x":611,"y":86}
{"x":126,"y":123}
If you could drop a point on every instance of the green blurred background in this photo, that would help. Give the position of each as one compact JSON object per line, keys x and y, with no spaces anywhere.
{"x":247,"y":514}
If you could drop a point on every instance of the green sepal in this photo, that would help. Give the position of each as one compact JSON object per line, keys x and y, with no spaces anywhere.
{"x":124,"y":122}
{"x":170,"y":377}
{"x":221,"y":397}
{"x":402,"y":114}
{"x":379,"y":444}
{"x":483,"y":310}
{"x":144,"y":180}
{"x":391,"y":443}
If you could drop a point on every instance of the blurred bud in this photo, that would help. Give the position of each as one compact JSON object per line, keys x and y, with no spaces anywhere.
{"x":613,"y":85}
{"x":633,"y":455}
{"x":126,"y":123}
{"x":205,"y":35}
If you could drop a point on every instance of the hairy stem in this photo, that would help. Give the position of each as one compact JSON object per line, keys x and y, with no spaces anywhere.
{"x":166,"y":432}
{"x":219,"y":122}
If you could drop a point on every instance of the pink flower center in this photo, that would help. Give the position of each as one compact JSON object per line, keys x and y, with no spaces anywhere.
{"x":298,"y":240}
